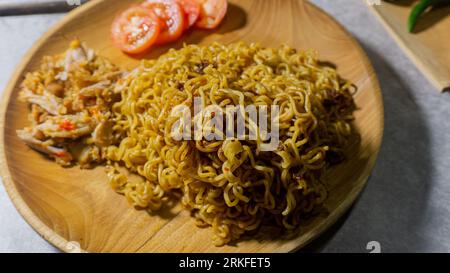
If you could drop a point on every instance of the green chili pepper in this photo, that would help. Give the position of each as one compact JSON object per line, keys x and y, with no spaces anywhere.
{"x":420,"y":8}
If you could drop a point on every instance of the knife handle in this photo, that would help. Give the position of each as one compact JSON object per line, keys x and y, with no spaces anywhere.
{"x":33,"y":7}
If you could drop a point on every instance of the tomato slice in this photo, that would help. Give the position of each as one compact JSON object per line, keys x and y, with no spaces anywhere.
{"x":171,"y":18}
{"x":135,"y":30}
{"x":191,"y":10}
{"x":212,"y":13}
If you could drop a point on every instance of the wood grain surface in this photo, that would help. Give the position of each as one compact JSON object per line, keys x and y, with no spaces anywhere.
{"x":72,"y":205}
{"x":428,"y":46}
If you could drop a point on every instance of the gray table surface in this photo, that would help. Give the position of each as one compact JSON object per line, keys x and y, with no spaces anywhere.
{"x":406,"y":204}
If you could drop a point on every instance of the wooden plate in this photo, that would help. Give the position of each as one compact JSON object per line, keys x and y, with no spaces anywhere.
{"x":72,"y":205}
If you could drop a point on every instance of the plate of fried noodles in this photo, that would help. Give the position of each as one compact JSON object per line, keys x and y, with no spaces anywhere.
{"x":115,"y":152}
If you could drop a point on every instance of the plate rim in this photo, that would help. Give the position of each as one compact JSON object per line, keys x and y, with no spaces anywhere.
{"x":62,"y":243}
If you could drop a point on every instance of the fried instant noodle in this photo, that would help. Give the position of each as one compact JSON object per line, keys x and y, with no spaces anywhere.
{"x":231,"y":184}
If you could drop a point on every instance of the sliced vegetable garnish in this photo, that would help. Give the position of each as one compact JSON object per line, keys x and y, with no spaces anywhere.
{"x":212,"y":13}
{"x":67,"y":125}
{"x":61,"y":154}
{"x":163,"y":21}
{"x":191,"y":10}
{"x":171,"y":18}
{"x":135,"y":30}
{"x":420,"y":8}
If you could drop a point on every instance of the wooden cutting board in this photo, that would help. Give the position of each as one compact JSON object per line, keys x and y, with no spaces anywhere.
{"x":429,"y":45}
{"x":70,"y":206}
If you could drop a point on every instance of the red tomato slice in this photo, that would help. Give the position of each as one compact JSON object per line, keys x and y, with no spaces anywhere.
{"x":191,"y":10}
{"x":135,"y":30}
{"x":212,"y":13}
{"x":171,"y":18}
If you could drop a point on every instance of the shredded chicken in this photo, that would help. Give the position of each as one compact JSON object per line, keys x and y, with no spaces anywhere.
{"x":103,"y":134}
{"x":76,"y":55}
{"x":69,"y":126}
{"x":71,"y":96}
{"x":95,"y":89}
{"x":89,"y":155}
{"x":61,"y":155}
{"x":47,"y":101}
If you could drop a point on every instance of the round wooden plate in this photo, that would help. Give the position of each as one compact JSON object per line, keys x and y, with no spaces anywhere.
{"x":72,"y":205}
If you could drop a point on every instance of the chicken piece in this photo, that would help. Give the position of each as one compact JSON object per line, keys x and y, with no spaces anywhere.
{"x":71,"y":97}
{"x":115,"y":75}
{"x":61,"y":155}
{"x":86,"y":155}
{"x":56,"y":89}
{"x":103,"y":134}
{"x":124,"y":81}
{"x":47,"y":101}
{"x":76,"y":55}
{"x":68,"y":126}
{"x":93,"y":90}
{"x":37,"y":114}
{"x":89,"y":157}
